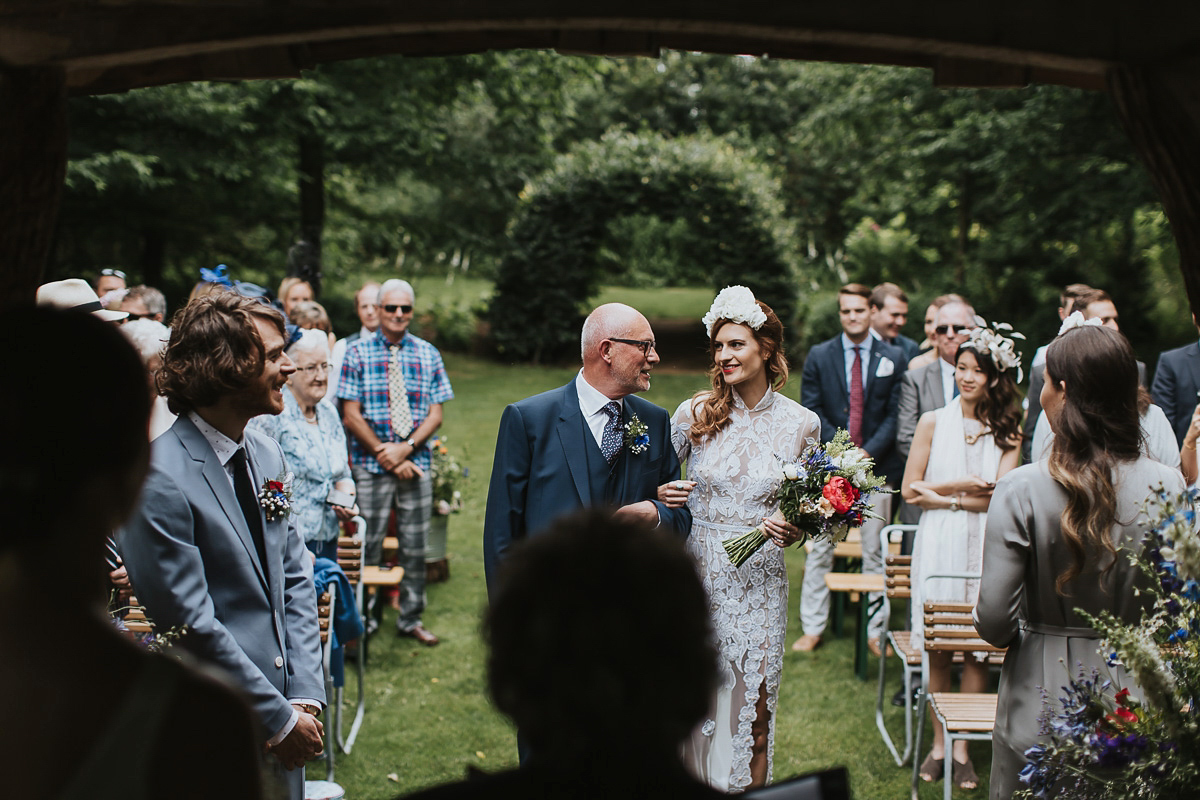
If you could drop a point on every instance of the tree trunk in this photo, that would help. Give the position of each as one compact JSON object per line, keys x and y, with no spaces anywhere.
{"x":964,"y":229}
{"x":33,"y":162}
{"x":312,"y":189}
{"x":154,"y":250}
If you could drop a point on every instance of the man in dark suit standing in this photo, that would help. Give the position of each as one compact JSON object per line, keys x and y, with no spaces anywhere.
{"x":889,"y":312}
{"x":211,"y":545}
{"x":1177,"y":385}
{"x":570,"y":448}
{"x":852,"y":382}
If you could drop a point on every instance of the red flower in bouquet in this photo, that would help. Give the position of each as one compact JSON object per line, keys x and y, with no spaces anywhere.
{"x":1122,"y":715}
{"x":840,"y":493}
{"x":275,"y":486}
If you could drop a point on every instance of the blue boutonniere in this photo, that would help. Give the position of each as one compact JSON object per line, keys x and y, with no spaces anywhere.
{"x":275,"y":497}
{"x":637,"y":436}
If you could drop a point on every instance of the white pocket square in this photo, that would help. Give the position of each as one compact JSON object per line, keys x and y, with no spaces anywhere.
{"x":885,"y":368}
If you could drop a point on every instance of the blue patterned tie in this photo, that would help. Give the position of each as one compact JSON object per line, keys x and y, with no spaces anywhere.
{"x":610,"y":442}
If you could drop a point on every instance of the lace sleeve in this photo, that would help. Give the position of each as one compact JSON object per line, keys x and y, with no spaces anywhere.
{"x":681,"y":423}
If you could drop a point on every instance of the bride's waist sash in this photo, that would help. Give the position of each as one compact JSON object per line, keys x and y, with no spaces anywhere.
{"x":721,"y":526}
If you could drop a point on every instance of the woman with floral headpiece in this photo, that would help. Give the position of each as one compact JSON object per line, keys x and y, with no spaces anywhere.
{"x":958,"y":453}
{"x":731,"y":437}
{"x":1058,"y":535}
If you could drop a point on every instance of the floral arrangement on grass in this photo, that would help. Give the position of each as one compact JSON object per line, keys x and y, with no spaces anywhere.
{"x":1103,"y":742}
{"x":824,"y":494}
{"x":447,"y":476}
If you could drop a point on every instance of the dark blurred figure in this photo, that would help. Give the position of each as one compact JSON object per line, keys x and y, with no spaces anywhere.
{"x":89,"y":713}
{"x":602,"y":653}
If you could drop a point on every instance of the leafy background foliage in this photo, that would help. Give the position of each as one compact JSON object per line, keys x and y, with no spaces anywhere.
{"x":432,"y":166}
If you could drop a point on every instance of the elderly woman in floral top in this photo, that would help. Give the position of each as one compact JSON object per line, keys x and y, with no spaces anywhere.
{"x":314,"y":446}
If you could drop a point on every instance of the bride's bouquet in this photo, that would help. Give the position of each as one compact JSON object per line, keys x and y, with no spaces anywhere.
{"x":824,"y":494}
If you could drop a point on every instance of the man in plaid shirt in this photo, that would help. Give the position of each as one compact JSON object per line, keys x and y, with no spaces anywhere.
{"x":392,"y":387}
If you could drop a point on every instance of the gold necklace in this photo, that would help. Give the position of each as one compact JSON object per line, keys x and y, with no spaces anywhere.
{"x":973,"y":439}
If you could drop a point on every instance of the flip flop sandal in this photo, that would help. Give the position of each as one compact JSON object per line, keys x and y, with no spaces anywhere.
{"x":964,"y":774}
{"x":932,"y":768}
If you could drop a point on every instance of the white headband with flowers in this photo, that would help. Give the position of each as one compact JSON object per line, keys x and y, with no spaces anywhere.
{"x":736,"y":304}
{"x":1076,"y":320}
{"x":999,"y":347}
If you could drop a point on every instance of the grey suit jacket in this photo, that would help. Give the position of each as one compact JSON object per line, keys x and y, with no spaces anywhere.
{"x":193,"y":562}
{"x":920,"y":391}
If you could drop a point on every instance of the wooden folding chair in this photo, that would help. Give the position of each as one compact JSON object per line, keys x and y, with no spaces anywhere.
{"x":949,"y":627}
{"x":897,"y":572}
{"x":361,"y":576}
{"x":325,"y":603}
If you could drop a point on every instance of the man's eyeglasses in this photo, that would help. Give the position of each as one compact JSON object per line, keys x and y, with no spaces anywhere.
{"x":317,"y":369}
{"x":393,"y":309}
{"x":112,"y":273}
{"x":941,"y":330}
{"x":646,"y":344}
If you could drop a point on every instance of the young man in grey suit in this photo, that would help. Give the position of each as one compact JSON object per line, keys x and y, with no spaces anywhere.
{"x":569,"y":448}
{"x":851,"y":381}
{"x":211,"y":546}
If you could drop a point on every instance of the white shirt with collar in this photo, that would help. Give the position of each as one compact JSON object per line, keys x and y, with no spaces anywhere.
{"x":225,"y":447}
{"x":864,"y":348}
{"x":591,"y":404}
{"x":947,"y":380}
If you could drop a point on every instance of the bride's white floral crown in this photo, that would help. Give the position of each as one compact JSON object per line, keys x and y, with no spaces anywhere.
{"x":1000,"y":348}
{"x":1076,"y":320}
{"x":737,"y":304}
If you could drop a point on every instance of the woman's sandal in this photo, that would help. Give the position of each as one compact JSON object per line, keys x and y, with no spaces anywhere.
{"x":932,"y":768}
{"x":964,"y":774}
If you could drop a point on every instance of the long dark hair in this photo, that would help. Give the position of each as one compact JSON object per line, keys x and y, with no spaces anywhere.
{"x":1097,"y":427}
{"x":712,"y":413}
{"x":998,"y":408}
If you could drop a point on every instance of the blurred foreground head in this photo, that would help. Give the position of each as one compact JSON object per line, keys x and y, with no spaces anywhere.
{"x":601,"y":643}
{"x":73,"y":420}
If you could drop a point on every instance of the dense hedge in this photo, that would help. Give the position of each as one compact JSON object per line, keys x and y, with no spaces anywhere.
{"x":550,"y":273}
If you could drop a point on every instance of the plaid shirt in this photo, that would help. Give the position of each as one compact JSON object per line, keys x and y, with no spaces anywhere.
{"x":364,"y":379}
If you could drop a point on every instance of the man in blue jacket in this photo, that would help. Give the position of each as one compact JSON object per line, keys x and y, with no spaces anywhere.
{"x":852,"y":381}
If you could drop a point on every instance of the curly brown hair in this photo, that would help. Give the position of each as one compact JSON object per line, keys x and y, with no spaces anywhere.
{"x":214,"y":350}
{"x":712,"y":412}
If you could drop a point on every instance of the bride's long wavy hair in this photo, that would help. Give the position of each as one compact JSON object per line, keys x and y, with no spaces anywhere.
{"x":1097,"y":427}
{"x":710,"y":409}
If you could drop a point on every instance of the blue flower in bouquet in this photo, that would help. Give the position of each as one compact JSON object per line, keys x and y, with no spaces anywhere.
{"x":637,"y":436}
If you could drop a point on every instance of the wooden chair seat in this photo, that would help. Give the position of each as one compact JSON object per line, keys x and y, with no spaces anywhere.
{"x":958,"y":712}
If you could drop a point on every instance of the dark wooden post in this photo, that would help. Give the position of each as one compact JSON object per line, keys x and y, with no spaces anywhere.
{"x":33,"y":161}
{"x":1159,"y":106}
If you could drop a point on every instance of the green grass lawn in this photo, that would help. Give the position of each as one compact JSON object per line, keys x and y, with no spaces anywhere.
{"x":428,"y":716}
{"x":689,"y":303}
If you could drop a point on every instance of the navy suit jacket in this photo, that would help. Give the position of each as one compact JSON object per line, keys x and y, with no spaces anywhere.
{"x":1176,"y":387}
{"x":825,"y":392}
{"x":193,"y":562}
{"x":540,"y":470}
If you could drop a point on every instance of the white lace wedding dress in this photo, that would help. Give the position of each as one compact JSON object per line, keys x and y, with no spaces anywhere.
{"x":737,"y":473}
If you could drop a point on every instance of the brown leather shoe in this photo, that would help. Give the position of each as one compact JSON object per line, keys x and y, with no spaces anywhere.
{"x":873,"y":646}
{"x":806,"y":643}
{"x":420,"y":634}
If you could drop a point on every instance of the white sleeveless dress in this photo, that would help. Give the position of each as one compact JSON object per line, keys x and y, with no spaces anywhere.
{"x":737,"y":473}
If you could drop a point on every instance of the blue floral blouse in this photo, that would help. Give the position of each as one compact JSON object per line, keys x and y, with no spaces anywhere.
{"x":316,"y":455}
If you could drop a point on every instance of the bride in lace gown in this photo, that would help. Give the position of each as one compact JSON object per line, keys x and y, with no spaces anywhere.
{"x":731,"y":439}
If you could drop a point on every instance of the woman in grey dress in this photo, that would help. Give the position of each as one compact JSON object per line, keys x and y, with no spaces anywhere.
{"x":1055,"y":532}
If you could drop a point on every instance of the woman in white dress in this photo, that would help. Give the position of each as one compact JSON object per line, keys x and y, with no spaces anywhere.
{"x":731,"y":439}
{"x":958,"y":453}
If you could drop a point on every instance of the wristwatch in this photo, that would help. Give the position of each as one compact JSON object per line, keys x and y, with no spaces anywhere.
{"x":309,"y":709}
{"x":411,"y":442}
{"x":954,"y":503}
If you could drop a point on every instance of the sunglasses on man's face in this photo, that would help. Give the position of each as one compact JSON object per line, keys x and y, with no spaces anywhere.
{"x":394,"y":309}
{"x":134,"y":317}
{"x":941,"y":330}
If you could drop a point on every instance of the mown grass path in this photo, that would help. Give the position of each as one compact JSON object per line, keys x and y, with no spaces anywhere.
{"x":428,"y":716}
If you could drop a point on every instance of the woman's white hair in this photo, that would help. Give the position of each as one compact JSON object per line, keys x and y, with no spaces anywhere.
{"x":311,"y":340}
{"x":148,"y":337}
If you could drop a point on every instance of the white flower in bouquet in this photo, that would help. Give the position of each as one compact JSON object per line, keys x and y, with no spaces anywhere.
{"x":791,"y":472}
{"x":825,"y":508}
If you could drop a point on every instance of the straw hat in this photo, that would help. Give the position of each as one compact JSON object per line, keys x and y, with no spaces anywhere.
{"x":77,"y":294}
